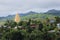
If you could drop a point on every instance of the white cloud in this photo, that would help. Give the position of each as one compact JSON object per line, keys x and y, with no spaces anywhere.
{"x":8,"y":7}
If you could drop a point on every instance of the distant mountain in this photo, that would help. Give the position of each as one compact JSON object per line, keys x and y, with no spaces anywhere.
{"x":32,"y":14}
{"x":24,"y":14}
{"x":21,"y":14}
{"x":53,"y":12}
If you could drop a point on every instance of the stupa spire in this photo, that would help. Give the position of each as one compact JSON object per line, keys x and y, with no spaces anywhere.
{"x":17,"y":18}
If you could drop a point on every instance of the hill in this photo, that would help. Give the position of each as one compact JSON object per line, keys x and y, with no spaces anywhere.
{"x":53,"y":12}
{"x":27,"y":15}
{"x":33,"y":15}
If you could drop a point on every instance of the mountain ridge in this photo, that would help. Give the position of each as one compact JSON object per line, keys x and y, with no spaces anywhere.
{"x":53,"y":12}
{"x":50,"y":12}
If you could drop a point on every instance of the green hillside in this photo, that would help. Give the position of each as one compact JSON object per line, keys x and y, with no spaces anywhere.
{"x":37,"y":16}
{"x":30,"y":16}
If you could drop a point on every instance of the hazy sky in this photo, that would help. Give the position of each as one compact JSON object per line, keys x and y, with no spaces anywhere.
{"x":8,"y":7}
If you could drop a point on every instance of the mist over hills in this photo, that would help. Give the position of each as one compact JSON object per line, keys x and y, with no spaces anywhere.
{"x":32,"y":14}
{"x":22,"y":14}
{"x":53,"y":12}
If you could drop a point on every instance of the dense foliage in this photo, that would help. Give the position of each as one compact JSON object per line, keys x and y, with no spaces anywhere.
{"x":30,"y":30}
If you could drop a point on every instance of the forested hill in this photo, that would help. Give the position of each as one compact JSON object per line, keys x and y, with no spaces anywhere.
{"x":31,"y":14}
{"x":53,"y":12}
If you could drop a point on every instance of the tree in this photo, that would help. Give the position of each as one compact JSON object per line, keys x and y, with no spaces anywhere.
{"x":40,"y":26}
{"x":10,"y":23}
{"x":7,"y":23}
{"x":12,"y":35}
{"x":57,"y":19}
{"x":28,"y":24}
{"x":20,"y":23}
{"x":50,"y":36}
{"x":47,"y":19}
{"x":13,"y":24}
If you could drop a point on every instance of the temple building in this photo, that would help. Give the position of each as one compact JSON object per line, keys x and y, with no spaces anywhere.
{"x":17,"y":18}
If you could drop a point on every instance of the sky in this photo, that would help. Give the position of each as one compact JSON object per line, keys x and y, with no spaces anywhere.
{"x":10,"y":7}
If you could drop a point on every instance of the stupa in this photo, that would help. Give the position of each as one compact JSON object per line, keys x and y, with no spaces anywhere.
{"x":17,"y":18}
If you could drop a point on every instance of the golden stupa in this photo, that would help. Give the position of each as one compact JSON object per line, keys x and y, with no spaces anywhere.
{"x":17,"y":18}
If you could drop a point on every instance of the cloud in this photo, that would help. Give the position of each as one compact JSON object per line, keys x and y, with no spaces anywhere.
{"x":8,"y":7}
